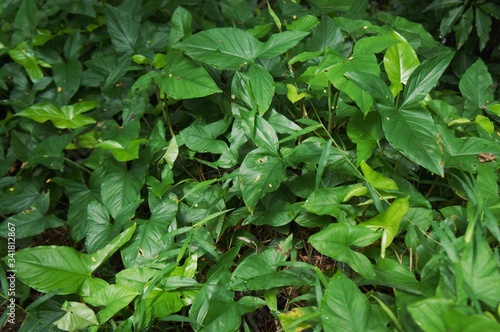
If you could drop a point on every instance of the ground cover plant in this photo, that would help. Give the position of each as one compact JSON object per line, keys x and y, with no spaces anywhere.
{"x":233,"y":165}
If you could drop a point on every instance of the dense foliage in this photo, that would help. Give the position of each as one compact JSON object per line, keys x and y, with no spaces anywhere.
{"x":223,"y":165}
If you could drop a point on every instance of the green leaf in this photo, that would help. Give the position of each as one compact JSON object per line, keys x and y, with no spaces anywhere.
{"x":113,"y":297}
{"x":50,"y":152}
{"x":120,"y":191}
{"x":391,"y":273}
{"x":425,"y":77}
{"x":389,"y":221}
{"x":280,"y":43}
{"x":463,"y":153}
{"x":99,"y":228}
{"x":479,"y":271}
{"x":293,"y":94}
{"x":412,"y":131}
{"x":344,"y":307}
{"x":464,"y":27}
{"x":327,"y":201}
{"x":261,"y":271}
{"x":303,"y":23}
{"x":438,"y":314}
{"x":366,"y":132}
{"x":449,"y":20}
{"x":93,"y":261}
{"x":277,"y":214}
{"x":78,"y":317}
{"x":326,"y":35}
{"x":32,"y":221}
{"x":376,"y":179}
{"x":66,"y":117}
{"x":362,"y":62}
{"x":335,"y":241}
{"x":400,"y":61}
{"x":483,"y":27}
{"x":180,"y":26}
{"x":123,"y":30}
{"x":53,"y":268}
{"x":475,"y":85}
{"x":438,"y":4}
{"x":120,"y":152}
{"x":67,"y":77}
{"x":373,"y":85}
{"x":223,"y":48}
{"x":255,"y":87}
{"x":262,"y":171}
{"x":24,"y":56}
{"x":183,"y":79}
{"x":203,"y":137}
{"x":147,"y":243}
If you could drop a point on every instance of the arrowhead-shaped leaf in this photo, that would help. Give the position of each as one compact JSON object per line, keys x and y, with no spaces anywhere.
{"x":66,"y":117}
{"x":389,"y":221}
{"x":183,"y":79}
{"x":262,"y":171}
{"x":335,"y":241}
{"x":425,"y":77}
{"x":344,"y":307}
{"x":412,"y":131}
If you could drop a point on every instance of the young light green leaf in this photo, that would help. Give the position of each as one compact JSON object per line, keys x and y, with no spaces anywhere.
{"x":24,"y":56}
{"x":400,"y":61}
{"x":78,"y":317}
{"x":66,"y":117}
{"x":389,"y":221}
{"x":335,"y":241}
{"x":293,"y":94}
{"x":344,"y":307}
{"x":376,"y":179}
{"x":425,"y":77}
{"x":120,"y":152}
{"x":113,"y":298}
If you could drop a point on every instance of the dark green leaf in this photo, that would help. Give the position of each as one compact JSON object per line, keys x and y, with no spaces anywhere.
{"x":183,"y":79}
{"x":425,"y":77}
{"x":224,"y":48}
{"x":412,"y":131}
{"x":261,"y":171}
{"x":344,"y":307}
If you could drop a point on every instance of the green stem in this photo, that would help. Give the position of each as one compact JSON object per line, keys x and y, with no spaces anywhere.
{"x":331,"y":108}
{"x":69,"y":161}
